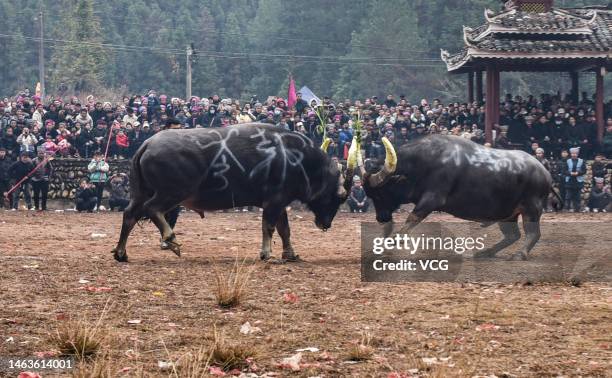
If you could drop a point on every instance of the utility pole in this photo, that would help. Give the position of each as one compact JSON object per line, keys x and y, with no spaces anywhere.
{"x":41,"y":57}
{"x":189,"y":53}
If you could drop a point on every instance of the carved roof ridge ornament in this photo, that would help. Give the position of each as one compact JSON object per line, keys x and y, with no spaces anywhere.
{"x":466,"y":38}
{"x":491,"y":17}
{"x":590,"y":16}
{"x":444,"y":54}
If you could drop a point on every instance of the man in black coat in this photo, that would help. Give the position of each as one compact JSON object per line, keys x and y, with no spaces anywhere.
{"x":5,"y":164}
{"x":18,"y":171}
{"x":85,"y":197}
{"x":40,"y":179}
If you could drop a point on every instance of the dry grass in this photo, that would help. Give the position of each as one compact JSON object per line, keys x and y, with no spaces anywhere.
{"x":80,"y":338}
{"x":227,"y":355}
{"x":100,"y":367}
{"x":193,"y":364}
{"x":231,"y":289}
{"x":363,"y":350}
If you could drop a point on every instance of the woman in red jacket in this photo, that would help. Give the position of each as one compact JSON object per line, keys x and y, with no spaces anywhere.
{"x":122,"y":143}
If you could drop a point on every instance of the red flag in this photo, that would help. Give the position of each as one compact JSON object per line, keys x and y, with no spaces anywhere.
{"x":291,"y":96}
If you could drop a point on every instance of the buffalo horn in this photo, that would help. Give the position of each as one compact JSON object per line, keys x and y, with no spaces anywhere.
{"x":388,"y":169}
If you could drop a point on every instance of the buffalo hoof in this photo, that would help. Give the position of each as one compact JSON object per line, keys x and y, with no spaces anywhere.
{"x":291,"y":257}
{"x":174,"y":247}
{"x":264,"y":255}
{"x":120,"y":256}
{"x":520,"y":256}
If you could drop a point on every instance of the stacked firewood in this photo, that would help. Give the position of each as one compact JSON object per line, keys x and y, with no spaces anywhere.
{"x":68,"y":173}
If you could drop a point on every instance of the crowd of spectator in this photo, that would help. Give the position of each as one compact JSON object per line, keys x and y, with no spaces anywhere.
{"x":548,"y":126}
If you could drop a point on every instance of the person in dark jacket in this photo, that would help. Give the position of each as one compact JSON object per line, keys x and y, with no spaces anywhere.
{"x":85,"y":197}
{"x":119,"y":192}
{"x":18,"y":171}
{"x":40,"y":179}
{"x":573,"y":173}
{"x":5,"y":164}
{"x":210,"y":119}
{"x":300,"y":103}
{"x":600,"y":197}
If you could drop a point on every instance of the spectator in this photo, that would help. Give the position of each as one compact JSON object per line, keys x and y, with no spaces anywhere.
{"x":85,"y":197}
{"x":98,"y":170}
{"x":607,"y":140}
{"x":122,"y":144}
{"x":357,"y":201}
{"x":600,"y":197}
{"x":574,"y":179}
{"x":540,"y":156}
{"x":27,"y":142}
{"x":599,"y":167}
{"x":5,"y":164}
{"x":40,"y":179}
{"x":119,"y":192}
{"x":18,"y":171}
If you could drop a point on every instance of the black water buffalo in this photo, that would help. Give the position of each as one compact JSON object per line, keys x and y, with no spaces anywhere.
{"x":467,"y":180}
{"x":246,"y":165}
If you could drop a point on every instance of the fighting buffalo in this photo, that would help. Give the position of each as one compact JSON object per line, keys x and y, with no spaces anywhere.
{"x":467,"y":180}
{"x":247,"y":165}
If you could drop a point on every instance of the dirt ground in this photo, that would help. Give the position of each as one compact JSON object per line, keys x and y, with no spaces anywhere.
{"x":161,"y":306}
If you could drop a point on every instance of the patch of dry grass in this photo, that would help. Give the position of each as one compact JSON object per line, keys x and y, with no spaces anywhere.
{"x":227,"y":355}
{"x":100,"y":367}
{"x":80,"y":338}
{"x":193,"y":364}
{"x":231,"y":288}
{"x":363,"y":350}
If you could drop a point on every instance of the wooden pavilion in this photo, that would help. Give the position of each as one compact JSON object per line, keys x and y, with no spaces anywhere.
{"x":535,"y":36}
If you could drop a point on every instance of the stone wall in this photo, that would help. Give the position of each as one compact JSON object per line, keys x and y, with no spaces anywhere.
{"x":68,"y":173}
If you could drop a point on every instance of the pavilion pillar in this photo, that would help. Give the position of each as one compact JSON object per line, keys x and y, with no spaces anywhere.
{"x":470,"y":87}
{"x":479,"y":96}
{"x":575,"y":93}
{"x":492,"y":102}
{"x":599,"y":102}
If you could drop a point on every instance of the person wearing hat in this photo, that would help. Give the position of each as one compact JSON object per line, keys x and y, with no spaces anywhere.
{"x":358,"y":201}
{"x":5,"y":164}
{"x":40,"y":179}
{"x":600,"y":197}
{"x":17,"y":171}
{"x":573,"y":173}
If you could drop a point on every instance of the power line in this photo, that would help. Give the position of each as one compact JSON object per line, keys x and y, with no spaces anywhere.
{"x":237,"y":55}
{"x":287,"y":39}
{"x":276,"y":60}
